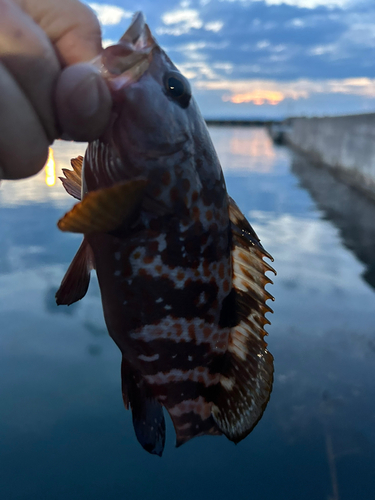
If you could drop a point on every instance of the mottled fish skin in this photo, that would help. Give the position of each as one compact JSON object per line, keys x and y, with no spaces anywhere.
{"x":163,"y":286}
{"x":166,"y":278}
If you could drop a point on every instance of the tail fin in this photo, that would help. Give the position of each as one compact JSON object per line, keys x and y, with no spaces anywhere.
{"x":148,"y":417}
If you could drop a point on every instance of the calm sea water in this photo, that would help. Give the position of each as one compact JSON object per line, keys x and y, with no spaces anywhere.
{"x":64,"y":433}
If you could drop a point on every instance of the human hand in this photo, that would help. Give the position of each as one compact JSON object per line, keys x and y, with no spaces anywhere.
{"x":46,"y":86}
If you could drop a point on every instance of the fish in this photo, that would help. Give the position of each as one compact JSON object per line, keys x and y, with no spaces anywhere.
{"x":181,"y":271}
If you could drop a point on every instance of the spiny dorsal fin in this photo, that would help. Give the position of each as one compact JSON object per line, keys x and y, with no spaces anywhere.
{"x":106,"y":209}
{"x":77,"y":278}
{"x":247,"y":376}
{"x":72,"y":180}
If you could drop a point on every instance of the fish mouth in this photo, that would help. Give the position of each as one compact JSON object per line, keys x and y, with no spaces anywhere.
{"x":124,"y":63}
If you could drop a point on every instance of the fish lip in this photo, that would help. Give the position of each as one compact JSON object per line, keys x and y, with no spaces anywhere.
{"x":124,"y":63}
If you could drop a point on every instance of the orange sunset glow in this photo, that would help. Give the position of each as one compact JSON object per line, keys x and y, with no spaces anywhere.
{"x":258,"y":97}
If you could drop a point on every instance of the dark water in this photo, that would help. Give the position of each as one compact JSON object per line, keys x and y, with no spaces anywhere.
{"x":64,"y":433}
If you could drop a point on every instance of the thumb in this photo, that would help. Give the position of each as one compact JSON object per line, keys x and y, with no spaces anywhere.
{"x":83,"y":102}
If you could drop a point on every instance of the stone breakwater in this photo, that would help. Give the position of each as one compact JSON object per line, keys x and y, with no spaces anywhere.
{"x":346,"y":144}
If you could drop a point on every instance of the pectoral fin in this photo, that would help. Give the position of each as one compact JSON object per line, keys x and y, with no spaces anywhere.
{"x":77,"y":278}
{"x":106,"y":209}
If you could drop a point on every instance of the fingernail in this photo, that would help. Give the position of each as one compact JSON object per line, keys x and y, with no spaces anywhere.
{"x":84,"y":99}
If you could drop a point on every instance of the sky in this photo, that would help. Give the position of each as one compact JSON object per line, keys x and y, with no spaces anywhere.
{"x":250,"y":59}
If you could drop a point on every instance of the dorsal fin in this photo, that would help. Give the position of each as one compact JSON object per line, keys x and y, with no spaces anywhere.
{"x":72,"y":180}
{"x":247,"y":376}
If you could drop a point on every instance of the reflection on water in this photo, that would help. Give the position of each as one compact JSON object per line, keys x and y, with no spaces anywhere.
{"x":63,"y":430}
{"x":238,"y":153}
{"x":50,"y":169}
{"x":349,"y":210}
{"x":43,"y":187}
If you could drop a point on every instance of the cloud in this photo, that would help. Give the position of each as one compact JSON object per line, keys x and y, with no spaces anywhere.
{"x":107,"y":42}
{"x":214,"y":26}
{"x":307,"y":4}
{"x":263,"y":44}
{"x":361,"y":29}
{"x":110,"y":15}
{"x":258,"y":97}
{"x":198,"y":69}
{"x":181,"y":21}
{"x":320,"y":50}
{"x":186,"y":16}
{"x":261,"y":92}
{"x":300,"y":54}
{"x":311,"y":4}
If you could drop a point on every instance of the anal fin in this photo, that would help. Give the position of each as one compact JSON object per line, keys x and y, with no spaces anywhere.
{"x":147,"y":412}
{"x":77,"y":278}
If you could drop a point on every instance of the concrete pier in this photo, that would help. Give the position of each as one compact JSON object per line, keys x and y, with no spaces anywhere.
{"x":346,"y":144}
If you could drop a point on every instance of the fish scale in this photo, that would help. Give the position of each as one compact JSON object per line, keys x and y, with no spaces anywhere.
{"x":180,"y":270}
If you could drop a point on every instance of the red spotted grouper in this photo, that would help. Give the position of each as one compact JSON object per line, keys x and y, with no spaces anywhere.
{"x":181,"y":271}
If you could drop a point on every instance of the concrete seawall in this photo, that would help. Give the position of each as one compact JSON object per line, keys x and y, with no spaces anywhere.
{"x":346,"y":144}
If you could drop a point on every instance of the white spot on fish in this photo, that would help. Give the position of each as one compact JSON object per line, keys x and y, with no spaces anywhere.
{"x":176,"y":375}
{"x":169,"y":327}
{"x":159,"y":300}
{"x":142,"y":357}
{"x":162,"y":242}
{"x":117,"y":273}
{"x":174,"y":355}
{"x":202,"y":298}
{"x":227,"y":383}
{"x":167,"y":307}
{"x":190,"y":358}
{"x":117,"y":255}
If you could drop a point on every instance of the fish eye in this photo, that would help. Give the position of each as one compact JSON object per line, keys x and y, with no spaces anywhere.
{"x":177,"y":88}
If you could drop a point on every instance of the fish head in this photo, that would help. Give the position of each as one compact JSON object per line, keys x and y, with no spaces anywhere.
{"x":155,"y":115}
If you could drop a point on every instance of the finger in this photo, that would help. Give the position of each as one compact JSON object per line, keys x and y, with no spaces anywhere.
{"x":83,"y":102}
{"x":71,"y":26}
{"x":29,"y":56}
{"x":23,"y":142}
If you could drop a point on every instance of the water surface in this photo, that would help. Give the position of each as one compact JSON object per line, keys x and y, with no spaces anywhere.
{"x":64,"y":433}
